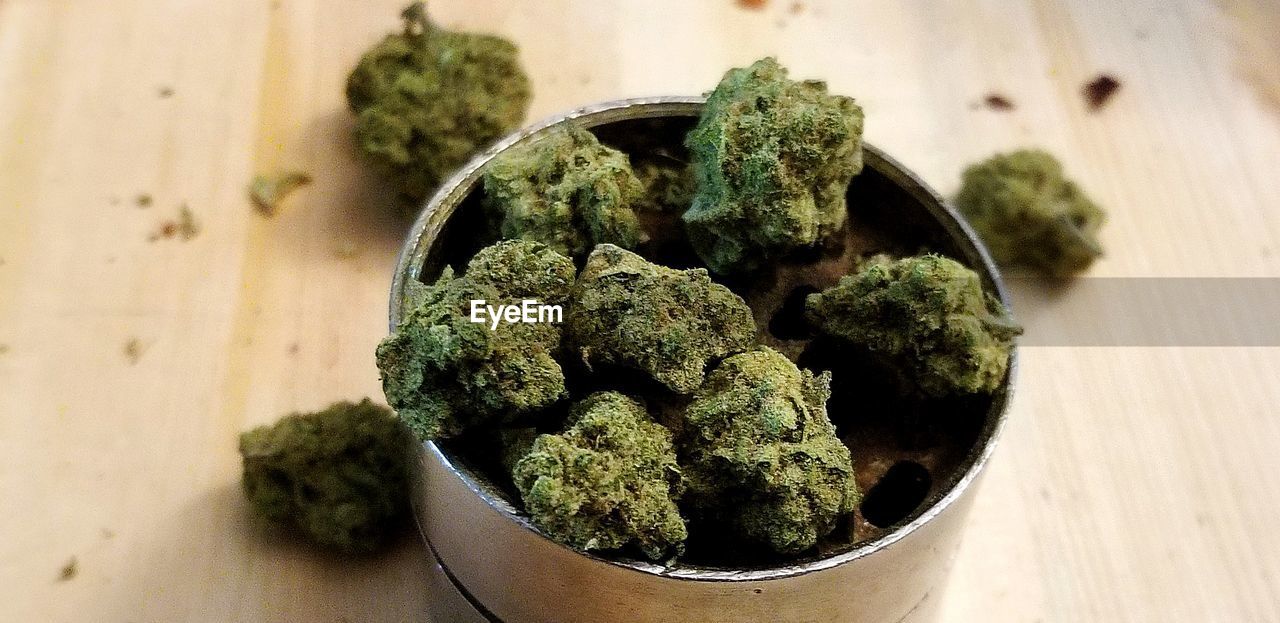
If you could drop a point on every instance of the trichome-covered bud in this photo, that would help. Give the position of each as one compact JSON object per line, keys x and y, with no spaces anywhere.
{"x":428,"y":99}
{"x":773,"y":159}
{"x":444,"y":372}
{"x":761,"y":458}
{"x":926,"y":316}
{"x":1027,"y":212}
{"x":608,"y":482}
{"x":564,"y":189}
{"x":669,"y":324}
{"x":523,"y":269}
{"x":339,"y":475}
{"x":668,"y":185}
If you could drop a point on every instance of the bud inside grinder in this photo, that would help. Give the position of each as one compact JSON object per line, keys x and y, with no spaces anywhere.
{"x":890,"y":560}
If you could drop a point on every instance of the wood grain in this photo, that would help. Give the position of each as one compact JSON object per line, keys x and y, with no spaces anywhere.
{"x":1136,"y":484}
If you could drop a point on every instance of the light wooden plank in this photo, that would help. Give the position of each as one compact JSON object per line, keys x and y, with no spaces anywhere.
{"x":1132,"y":484}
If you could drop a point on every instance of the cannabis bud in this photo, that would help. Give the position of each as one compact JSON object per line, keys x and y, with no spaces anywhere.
{"x":608,"y":482}
{"x":760,"y":455}
{"x":927,"y":316}
{"x":773,"y":159}
{"x":340,"y":475}
{"x":1027,"y":212}
{"x":522,"y":269}
{"x":567,"y":190}
{"x":443,"y":372}
{"x":669,"y":324}
{"x":427,"y":99}
{"x":668,"y":185}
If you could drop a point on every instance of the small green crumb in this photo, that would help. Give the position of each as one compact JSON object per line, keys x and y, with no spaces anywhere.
{"x":143,"y":200}
{"x":267,"y":191}
{"x":340,"y":475}
{"x":69,"y":570}
{"x":188,"y":226}
{"x":185,"y":226}
{"x":133,"y":350}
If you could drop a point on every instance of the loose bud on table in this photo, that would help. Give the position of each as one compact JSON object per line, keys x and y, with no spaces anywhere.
{"x":339,"y":475}
{"x":427,"y":99}
{"x":1027,"y":212}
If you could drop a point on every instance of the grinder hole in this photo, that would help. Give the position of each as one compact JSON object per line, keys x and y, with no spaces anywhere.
{"x":897,"y":494}
{"x":788,"y":322}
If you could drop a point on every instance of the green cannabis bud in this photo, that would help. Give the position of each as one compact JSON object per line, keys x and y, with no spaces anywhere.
{"x":669,"y":324}
{"x":610,"y":481}
{"x":339,"y":475}
{"x":668,"y":186}
{"x":927,"y":316}
{"x":773,"y":159}
{"x":523,"y":269}
{"x":566,"y":190}
{"x":760,"y":456}
{"x":427,"y":99}
{"x":443,"y":372}
{"x":1027,"y":212}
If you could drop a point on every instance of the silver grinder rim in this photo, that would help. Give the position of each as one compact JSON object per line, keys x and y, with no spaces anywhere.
{"x":441,"y":205}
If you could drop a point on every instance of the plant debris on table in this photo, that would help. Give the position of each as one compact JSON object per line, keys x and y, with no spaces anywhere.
{"x":1099,"y":91}
{"x":998,"y":102}
{"x":185,"y":226}
{"x":69,"y":570}
{"x":133,"y":350}
{"x":267,"y":191}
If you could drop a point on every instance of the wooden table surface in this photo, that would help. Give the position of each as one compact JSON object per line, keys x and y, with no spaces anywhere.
{"x":1134,"y":483}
